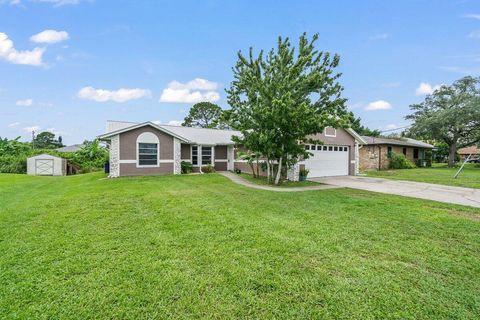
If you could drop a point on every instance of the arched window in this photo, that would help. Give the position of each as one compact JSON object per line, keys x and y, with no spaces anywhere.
{"x":148,"y":154}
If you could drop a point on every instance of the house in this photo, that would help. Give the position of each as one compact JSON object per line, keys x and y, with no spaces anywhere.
{"x":72,"y":148}
{"x":46,"y":165}
{"x":374,"y":152}
{"x":151,"y":149}
{"x":465,"y":152}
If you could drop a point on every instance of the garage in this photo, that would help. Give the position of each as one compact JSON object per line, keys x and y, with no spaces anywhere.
{"x":46,"y":165}
{"x":327,"y":160}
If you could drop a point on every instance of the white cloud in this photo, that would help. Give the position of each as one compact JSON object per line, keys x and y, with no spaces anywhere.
{"x":12,"y":55}
{"x":177,"y":92}
{"x":474,"y":34}
{"x":58,"y":3}
{"x":174,"y":123}
{"x":50,"y":36}
{"x":32,"y":128}
{"x":425,"y":88}
{"x":157,"y":121}
{"x":14,"y":124}
{"x":472,"y":16}
{"x":120,"y":95}
{"x":379,"y":36}
{"x":378,"y":105}
{"x":24,"y":103}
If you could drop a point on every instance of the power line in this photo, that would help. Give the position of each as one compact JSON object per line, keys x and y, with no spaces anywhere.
{"x":396,"y":128}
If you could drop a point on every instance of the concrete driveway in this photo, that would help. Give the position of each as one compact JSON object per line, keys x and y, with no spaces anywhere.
{"x":436,"y":192}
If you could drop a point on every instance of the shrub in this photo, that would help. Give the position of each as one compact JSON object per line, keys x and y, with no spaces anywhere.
{"x":208,"y":169}
{"x":304,"y":172}
{"x":187,"y":167}
{"x":13,"y":164}
{"x":398,"y":161}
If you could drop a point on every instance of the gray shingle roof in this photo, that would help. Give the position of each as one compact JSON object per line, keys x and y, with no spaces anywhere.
{"x":203,"y":136}
{"x":407,"y":142}
{"x":72,"y":148}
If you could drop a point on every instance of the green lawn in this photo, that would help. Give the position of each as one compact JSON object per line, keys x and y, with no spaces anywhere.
{"x":283,"y":184}
{"x":200,"y":246}
{"x":439,"y":174}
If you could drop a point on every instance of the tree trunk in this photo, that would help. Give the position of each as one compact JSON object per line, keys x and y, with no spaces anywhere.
{"x":258,"y":172}
{"x":279,"y":171}
{"x":452,"y":153}
{"x":268,"y":170}
{"x":253,"y":169}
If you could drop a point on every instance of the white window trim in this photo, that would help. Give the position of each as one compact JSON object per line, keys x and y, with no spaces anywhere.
{"x":200,"y":157}
{"x":149,"y":140}
{"x":330,"y":135}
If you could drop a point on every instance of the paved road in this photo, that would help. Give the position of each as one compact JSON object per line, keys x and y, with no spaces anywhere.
{"x":436,"y":192}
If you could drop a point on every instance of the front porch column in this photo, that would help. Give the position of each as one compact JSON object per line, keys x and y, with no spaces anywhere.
{"x":293,"y":173}
{"x":177,"y":156}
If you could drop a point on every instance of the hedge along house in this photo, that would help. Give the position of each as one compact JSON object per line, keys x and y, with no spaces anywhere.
{"x":374,"y":153}
{"x":151,"y":149}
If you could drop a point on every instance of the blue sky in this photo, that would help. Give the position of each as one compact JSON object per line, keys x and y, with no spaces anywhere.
{"x":69,"y":65}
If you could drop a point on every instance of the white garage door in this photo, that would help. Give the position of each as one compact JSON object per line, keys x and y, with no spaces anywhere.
{"x":327,"y":161}
{"x":44,"y":167}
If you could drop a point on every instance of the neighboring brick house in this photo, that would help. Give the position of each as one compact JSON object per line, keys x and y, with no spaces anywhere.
{"x":374,"y":153}
{"x":465,"y":152}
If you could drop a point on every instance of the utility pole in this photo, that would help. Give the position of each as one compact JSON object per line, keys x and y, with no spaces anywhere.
{"x":33,"y":139}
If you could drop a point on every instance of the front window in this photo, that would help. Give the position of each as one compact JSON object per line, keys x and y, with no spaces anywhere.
{"x":415,"y":153}
{"x":194,"y":155}
{"x":148,"y":154}
{"x":206,"y":155}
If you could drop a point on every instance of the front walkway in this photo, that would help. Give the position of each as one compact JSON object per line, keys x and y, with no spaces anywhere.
{"x":428,"y":191}
{"x":237,"y":179}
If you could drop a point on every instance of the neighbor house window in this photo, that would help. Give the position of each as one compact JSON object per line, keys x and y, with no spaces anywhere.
{"x":148,"y":150}
{"x":206,"y":155}
{"x":389,"y":149}
{"x":194,"y":155}
{"x":415,"y":153}
{"x":404,"y":151}
{"x":148,"y":154}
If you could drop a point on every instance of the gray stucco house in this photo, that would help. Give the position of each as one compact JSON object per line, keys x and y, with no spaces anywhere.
{"x":151,"y":149}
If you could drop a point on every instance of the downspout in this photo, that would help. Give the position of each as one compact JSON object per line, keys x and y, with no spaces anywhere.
{"x":379,"y":157}
{"x":199,"y":159}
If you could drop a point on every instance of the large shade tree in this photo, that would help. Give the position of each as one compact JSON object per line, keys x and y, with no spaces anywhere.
{"x":46,"y":140}
{"x":204,"y":115}
{"x":279,"y":98}
{"x":450,"y":114}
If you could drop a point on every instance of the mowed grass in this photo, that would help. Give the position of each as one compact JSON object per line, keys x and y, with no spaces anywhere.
{"x":438,"y":174}
{"x":201,"y":246}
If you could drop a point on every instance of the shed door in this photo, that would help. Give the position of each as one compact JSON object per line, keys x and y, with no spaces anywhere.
{"x":328,"y":161}
{"x":44,"y":167}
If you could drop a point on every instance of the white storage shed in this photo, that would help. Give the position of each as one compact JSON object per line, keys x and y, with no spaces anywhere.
{"x":46,"y":165}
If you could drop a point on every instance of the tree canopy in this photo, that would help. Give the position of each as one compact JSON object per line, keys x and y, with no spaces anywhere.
{"x":450,"y":114}
{"x":46,"y":140}
{"x":279,"y":98}
{"x":204,"y":115}
{"x":356,"y":124}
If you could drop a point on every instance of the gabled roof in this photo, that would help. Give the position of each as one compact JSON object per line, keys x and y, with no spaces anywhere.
{"x":469,"y":150}
{"x":407,"y":142}
{"x":186,"y":134}
{"x":108,"y":135}
{"x":357,"y":137}
{"x":72,"y":148}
